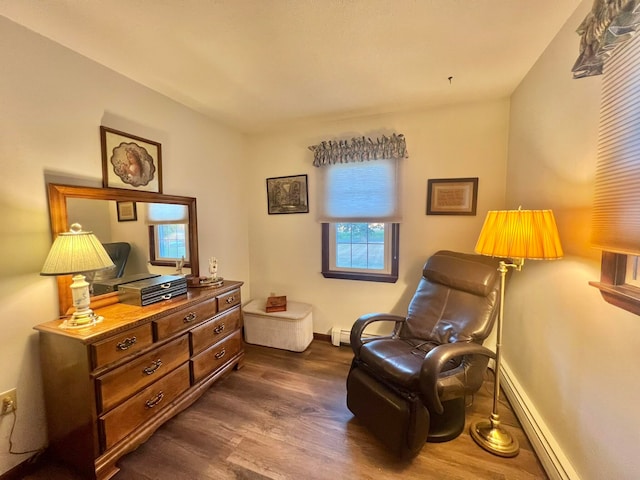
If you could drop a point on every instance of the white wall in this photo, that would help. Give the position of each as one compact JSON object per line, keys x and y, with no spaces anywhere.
{"x":285,"y":250}
{"x":572,"y":353}
{"x":52,"y":102}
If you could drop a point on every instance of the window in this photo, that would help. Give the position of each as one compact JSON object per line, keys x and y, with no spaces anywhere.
{"x":360,"y":251}
{"x":168,"y":243}
{"x":360,"y":213}
{"x":616,"y":209}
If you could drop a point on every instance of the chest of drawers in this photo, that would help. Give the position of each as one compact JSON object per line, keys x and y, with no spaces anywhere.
{"x":110,"y":386}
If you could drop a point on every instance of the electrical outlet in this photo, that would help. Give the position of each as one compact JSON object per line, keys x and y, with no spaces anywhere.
{"x":8,"y":401}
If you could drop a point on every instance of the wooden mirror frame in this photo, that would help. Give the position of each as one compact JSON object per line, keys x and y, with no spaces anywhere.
{"x":58,"y":195}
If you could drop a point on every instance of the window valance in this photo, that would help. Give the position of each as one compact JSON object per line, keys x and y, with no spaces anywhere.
{"x":359,"y":150}
{"x":610,"y":23}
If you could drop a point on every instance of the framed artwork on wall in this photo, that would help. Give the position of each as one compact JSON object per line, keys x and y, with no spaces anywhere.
{"x":287,"y":195}
{"x":130,"y":162}
{"x":452,"y":196}
{"x":127,"y":211}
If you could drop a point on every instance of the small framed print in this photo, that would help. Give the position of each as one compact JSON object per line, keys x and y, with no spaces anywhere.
{"x":127,"y":211}
{"x":452,"y":196}
{"x":130,"y":162}
{"x":287,"y":194}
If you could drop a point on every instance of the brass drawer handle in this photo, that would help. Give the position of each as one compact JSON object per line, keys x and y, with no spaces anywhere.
{"x":155,"y":400}
{"x":155,"y":365}
{"x":219,"y":329}
{"x":220,"y":354}
{"x":167,"y":296}
{"x":165,"y":285}
{"x":231,"y":299}
{"x":190,"y":317}
{"x":126,"y":343}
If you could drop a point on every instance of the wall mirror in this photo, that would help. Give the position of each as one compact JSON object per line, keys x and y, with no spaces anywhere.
{"x":117,"y":215}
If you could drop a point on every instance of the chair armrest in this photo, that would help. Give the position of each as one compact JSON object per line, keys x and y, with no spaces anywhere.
{"x":361,"y":323}
{"x":436,"y":360}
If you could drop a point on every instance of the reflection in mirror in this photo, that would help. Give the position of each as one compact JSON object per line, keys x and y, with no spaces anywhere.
{"x":129,"y":242}
{"x":131,"y":237}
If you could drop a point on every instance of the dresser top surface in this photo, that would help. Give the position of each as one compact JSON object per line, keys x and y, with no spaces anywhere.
{"x":120,"y":316}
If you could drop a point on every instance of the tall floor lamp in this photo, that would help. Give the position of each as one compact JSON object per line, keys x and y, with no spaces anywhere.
{"x":516,"y":235}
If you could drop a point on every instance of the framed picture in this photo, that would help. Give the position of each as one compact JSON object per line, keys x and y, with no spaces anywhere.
{"x":130,"y":162}
{"x":127,"y":211}
{"x":287,"y":194}
{"x":452,"y":196}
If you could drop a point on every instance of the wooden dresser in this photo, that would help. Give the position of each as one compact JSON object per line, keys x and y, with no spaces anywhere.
{"x":109,"y":387}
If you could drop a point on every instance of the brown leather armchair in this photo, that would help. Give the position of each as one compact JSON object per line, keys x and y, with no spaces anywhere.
{"x":411,"y":386}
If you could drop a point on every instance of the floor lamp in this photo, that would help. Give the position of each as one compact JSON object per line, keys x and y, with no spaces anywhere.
{"x":515,"y":235}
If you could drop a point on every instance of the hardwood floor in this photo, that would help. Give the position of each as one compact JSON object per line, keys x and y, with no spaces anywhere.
{"x":283,"y":416}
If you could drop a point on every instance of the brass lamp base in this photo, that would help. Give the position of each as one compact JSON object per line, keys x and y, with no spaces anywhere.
{"x":493,"y":438}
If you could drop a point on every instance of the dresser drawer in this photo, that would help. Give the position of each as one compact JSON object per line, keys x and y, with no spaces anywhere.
{"x":121,"y":345}
{"x":167,"y":326}
{"x":124,"y":381}
{"x":214,"y":330}
{"x":228,"y":300}
{"x":210,"y":360}
{"x":121,"y":421}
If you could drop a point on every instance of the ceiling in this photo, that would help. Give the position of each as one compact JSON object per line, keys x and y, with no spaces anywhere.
{"x":259,"y":64}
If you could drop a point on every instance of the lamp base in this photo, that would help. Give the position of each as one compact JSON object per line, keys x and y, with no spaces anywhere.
{"x":493,"y":438}
{"x":83,"y":319}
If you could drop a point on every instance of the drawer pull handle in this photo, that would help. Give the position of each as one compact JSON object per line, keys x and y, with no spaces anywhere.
{"x":166,"y":285}
{"x":220,"y":354}
{"x":190,"y":317}
{"x":219,"y":329}
{"x":126,"y":343}
{"x":231,"y":299}
{"x":155,"y":365}
{"x":155,"y":400}
{"x":167,"y":296}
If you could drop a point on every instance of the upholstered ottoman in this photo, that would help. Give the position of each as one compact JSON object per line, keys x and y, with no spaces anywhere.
{"x":288,"y":330}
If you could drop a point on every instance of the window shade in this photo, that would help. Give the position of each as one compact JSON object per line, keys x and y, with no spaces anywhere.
{"x":166,"y":213}
{"x":359,"y":192}
{"x":616,"y":209}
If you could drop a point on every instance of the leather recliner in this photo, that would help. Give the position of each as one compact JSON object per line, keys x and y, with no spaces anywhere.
{"x":411,"y":386}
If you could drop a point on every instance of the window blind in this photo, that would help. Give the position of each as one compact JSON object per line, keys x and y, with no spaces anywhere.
{"x":166,"y":213}
{"x":616,"y":209}
{"x":359,"y":192}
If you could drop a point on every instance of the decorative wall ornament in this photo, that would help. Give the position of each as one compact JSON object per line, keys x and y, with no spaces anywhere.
{"x":609,"y":24}
{"x":359,"y":150}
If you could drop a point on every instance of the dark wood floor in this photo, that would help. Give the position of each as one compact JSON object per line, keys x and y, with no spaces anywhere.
{"x":283,"y":416}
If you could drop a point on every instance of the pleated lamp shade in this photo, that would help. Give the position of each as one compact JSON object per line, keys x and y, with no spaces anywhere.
{"x":526,"y":234}
{"x":74,"y":252}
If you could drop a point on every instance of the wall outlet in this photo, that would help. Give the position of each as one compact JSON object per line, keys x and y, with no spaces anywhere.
{"x":8,"y":401}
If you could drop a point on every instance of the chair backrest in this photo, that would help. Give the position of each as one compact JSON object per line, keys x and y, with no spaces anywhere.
{"x":119,"y":253}
{"x":457,"y":299}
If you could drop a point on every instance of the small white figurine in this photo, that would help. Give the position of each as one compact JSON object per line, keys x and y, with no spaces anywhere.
{"x":213,"y":267}
{"x":179,"y":266}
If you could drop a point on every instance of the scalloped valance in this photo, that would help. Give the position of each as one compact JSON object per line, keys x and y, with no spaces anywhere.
{"x":609,"y":24}
{"x":359,"y":149}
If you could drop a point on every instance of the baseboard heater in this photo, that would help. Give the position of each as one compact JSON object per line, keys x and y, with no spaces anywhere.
{"x":342,"y":337}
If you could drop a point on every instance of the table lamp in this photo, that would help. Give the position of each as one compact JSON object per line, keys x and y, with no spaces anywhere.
{"x":74,"y":253}
{"x":516,"y":235}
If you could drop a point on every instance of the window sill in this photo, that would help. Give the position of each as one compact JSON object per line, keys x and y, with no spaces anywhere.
{"x":623,"y":296}
{"x":366,"y":277}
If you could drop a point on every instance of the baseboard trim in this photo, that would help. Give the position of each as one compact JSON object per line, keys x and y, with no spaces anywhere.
{"x":551,"y":456}
{"x":322,"y":336}
{"x":27,"y":467}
